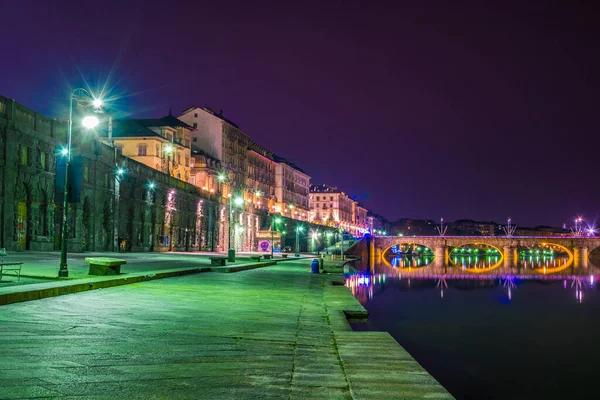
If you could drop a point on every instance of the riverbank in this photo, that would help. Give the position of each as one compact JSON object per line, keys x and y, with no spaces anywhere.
{"x":274,"y":332}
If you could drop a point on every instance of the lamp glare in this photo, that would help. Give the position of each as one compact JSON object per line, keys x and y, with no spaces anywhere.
{"x":90,"y":122}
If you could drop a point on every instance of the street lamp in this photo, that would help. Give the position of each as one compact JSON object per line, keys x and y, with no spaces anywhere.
{"x":273,"y":222}
{"x":238,"y":202}
{"x":168,"y":150}
{"x":298,"y":230}
{"x":89,"y":122}
{"x":328,"y":236}
{"x":342,"y":243}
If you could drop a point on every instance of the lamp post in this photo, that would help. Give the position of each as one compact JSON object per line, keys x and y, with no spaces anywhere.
{"x":119,"y":174}
{"x":273,"y":222}
{"x":342,"y":243}
{"x":169,"y":150}
{"x":237,"y":201}
{"x":298,"y":230}
{"x":89,"y":122}
{"x":328,"y":237}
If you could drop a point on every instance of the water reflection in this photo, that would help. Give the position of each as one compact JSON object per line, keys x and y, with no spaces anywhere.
{"x":480,"y":259}
{"x":469,"y":273}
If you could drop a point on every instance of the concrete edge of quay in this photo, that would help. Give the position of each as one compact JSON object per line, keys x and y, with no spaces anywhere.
{"x":38,"y":291}
{"x":404,"y":377}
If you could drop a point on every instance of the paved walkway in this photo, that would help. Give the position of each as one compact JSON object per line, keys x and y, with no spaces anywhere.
{"x":38,"y":264}
{"x":271,"y":333}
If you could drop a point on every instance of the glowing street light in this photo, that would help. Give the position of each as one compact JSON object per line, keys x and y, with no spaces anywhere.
{"x":168,"y":150}
{"x":274,"y":221}
{"x":238,"y":201}
{"x":299,"y":229}
{"x":97,"y":103}
{"x":89,"y":122}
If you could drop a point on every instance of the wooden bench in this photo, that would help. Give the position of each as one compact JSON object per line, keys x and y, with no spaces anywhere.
{"x":255,"y":258}
{"x":9,"y":266}
{"x":218,"y":261}
{"x":104,"y":265}
{"x":267,"y":256}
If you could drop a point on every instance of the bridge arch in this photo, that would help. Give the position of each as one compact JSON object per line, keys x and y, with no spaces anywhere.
{"x":569,"y":263}
{"x":480,"y":270}
{"x":385,"y":254}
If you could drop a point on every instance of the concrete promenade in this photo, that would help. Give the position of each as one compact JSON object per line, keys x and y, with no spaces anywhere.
{"x":271,"y":333}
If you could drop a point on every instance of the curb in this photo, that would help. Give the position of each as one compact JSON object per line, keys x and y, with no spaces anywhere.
{"x":60,"y":288}
{"x":83,"y":285}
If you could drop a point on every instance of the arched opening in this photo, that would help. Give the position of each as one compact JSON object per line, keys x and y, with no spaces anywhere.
{"x":546,"y":258}
{"x":22,"y":219}
{"x":44,"y":214}
{"x":476,"y":257}
{"x":407,"y":255}
{"x":594,"y":256}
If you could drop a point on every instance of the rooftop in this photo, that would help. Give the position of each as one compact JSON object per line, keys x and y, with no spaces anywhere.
{"x":210,"y":111}
{"x":130,"y":128}
{"x":169,"y":120}
{"x":324,"y":189}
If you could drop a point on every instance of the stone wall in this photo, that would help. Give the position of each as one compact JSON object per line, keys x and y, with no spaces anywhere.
{"x":171,"y":215}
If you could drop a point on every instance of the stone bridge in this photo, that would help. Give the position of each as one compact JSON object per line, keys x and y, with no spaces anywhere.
{"x":374,"y":248}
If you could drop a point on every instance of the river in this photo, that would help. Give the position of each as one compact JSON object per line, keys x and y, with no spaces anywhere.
{"x":485,"y":331}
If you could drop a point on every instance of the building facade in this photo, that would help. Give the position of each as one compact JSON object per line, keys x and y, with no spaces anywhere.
{"x":330,"y":206}
{"x":261,"y":177}
{"x":163,"y":144}
{"x":291,"y":190}
{"x":112,"y":209}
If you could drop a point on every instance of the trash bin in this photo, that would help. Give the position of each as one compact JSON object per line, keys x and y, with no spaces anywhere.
{"x":314,"y":266}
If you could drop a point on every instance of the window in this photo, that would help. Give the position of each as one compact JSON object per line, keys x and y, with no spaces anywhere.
{"x":24,"y":156}
{"x":318,"y":198}
{"x":43,"y":160}
{"x":195,"y":139}
{"x":178,"y":158}
{"x":187,"y":161}
{"x":195,"y":124}
{"x":195,"y":115}
{"x":157,"y":150}
{"x":330,"y":198}
{"x":142,"y":149}
{"x":193,"y":180}
{"x":119,"y":147}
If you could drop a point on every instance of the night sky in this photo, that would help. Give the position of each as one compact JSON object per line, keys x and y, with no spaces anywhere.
{"x":419,"y":109}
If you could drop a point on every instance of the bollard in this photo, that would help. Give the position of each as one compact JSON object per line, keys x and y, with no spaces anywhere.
{"x":314,"y":266}
{"x":321,"y":262}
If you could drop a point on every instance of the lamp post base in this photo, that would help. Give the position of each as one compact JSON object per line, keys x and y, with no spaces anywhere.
{"x":231,"y":255}
{"x":63,"y":272}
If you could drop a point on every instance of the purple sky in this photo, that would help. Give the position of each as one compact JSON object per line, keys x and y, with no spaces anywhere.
{"x":420,"y":109}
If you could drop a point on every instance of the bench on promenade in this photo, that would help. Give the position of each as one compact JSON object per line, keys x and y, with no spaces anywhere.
{"x":284,"y":256}
{"x":267,"y":256}
{"x":255,"y":258}
{"x":9,"y":266}
{"x":104,"y":265}
{"x":218,"y":261}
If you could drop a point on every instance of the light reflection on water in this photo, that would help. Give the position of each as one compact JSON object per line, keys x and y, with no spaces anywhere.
{"x":534,"y":318}
{"x":410,"y":272}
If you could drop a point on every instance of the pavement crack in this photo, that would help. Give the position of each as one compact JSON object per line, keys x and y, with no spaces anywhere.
{"x":336,"y":347}
{"x":296,"y":339}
